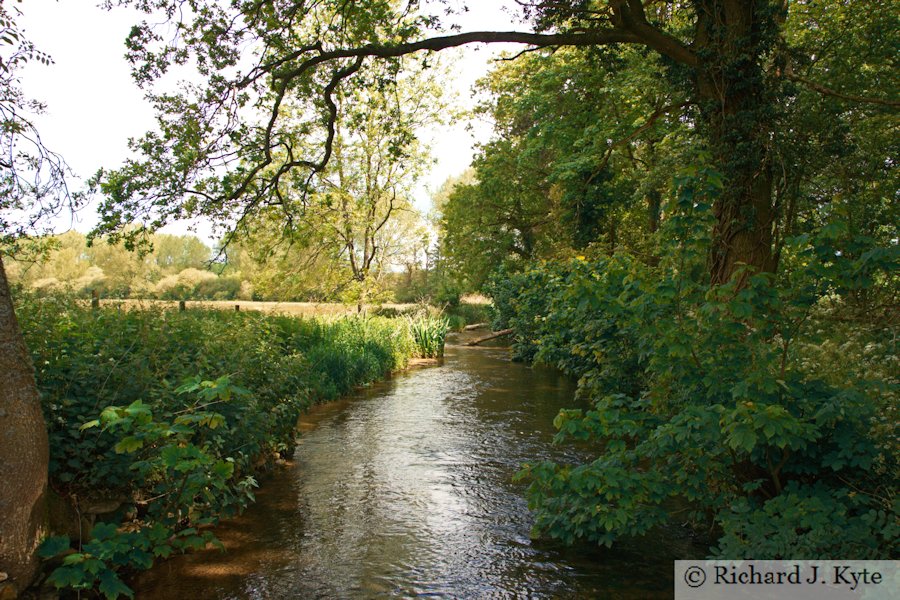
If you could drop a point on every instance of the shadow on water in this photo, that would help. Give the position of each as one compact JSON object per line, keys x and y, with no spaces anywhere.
{"x":405,"y":490}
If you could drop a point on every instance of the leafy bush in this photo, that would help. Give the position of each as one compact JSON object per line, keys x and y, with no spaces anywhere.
{"x":516,"y":305}
{"x":184,"y":284}
{"x":220,"y":288}
{"x":718,"y":399}
{"x":184,"y":484}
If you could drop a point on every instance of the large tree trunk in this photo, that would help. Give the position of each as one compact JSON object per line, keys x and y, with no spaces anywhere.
{"x":24,"y":452}
{"x":733,"y":36}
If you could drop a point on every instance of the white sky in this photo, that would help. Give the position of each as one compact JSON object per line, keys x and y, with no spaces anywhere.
{"x":93,"y":106}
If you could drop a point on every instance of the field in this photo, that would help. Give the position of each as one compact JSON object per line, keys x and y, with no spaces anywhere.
{"x":309,"y":309}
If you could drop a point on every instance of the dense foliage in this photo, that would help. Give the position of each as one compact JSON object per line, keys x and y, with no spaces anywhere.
{"x":173,"y":413}
{"x":712,"y":249}
{"x":726,"y":404}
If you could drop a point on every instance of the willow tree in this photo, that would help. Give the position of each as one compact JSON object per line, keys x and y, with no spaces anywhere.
{"x":731,"y":57}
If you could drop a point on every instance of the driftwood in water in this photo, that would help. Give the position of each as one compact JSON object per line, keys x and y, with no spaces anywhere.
{"x":493,"y":335}
{"x":475,"y":326}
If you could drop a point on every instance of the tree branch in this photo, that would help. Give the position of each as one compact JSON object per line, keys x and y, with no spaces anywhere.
{"x":648,"y":36}
{"x":816,"y":87}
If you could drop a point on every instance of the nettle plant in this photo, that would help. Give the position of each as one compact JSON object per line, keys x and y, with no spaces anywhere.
{"x":184,"y":484}
{"x":702,"y":406}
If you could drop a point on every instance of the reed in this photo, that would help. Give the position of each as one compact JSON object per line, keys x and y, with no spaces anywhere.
{"x":429,"y":334}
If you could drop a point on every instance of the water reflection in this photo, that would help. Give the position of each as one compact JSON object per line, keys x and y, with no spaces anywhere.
{"x":405,"y":491}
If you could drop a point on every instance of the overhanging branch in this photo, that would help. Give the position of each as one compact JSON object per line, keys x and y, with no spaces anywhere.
{"x":593,"y":38}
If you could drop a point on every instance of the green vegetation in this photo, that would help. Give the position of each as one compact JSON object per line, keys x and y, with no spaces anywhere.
{"x":716,"y":268}
{"x":174,"y":413}
{"x":177,"y":268}
{"x":726,"y":406}
{"x":429,"y":333}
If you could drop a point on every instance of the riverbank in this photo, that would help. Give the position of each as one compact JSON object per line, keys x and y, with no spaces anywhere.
{"x":203,"y":400}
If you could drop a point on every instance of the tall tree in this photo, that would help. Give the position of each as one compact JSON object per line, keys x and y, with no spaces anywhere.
{"x":357,"y":209}
{"x":24,"y":452}
{"x":574,"y":161}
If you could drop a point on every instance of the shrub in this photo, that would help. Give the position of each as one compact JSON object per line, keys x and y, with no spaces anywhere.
{"x":741,"y":401}
{"x":220,"y":288}
{"x":183,"y":285}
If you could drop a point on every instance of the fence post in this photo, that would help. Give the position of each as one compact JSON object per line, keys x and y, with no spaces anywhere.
{"x":95,"y":299}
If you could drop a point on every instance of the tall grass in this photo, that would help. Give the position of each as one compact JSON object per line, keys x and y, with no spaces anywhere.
{"x":429,"y":334}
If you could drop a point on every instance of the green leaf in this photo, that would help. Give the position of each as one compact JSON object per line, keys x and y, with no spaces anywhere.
{"x":53,"y":546}
{"x":103,"y":531}
{"x":112,"y":587}
{"x":128,"y":444}
{"x":742,"y":438}
{"x":66,"y":577}
{"x":138,"y":409}
{"x":74,"y":559}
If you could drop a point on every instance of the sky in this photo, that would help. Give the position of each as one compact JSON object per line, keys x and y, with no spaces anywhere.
{"x":93,"y":106}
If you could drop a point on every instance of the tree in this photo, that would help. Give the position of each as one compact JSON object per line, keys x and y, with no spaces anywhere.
{"x":730,"y":58}
{"x":68,"y":263}
{"x":32,"y":185}
{"x":703,"y":360}
{"x":24,"y":450}
{"x":575,"y":164}
{"x":354,"y":216}
{"x":505,"y":217}
{"x":174,"y":253}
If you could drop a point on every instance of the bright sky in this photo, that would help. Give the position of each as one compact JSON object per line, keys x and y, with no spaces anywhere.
{"x":93,"y":107}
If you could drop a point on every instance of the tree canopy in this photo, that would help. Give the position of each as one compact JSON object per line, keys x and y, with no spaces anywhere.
{"x":733,"y":68}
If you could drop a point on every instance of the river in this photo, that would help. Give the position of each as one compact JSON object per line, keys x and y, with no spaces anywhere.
{"x":405,"y":490}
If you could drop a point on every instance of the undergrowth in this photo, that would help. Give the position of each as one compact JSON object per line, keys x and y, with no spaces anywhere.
{"x":175,"y":413}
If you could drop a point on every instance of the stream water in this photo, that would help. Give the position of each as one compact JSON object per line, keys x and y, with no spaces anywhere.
{"x":405,"y":490}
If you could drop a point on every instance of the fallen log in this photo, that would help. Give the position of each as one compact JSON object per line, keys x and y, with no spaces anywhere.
{"x":475,"y":326}
{"x":493,"y":335}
